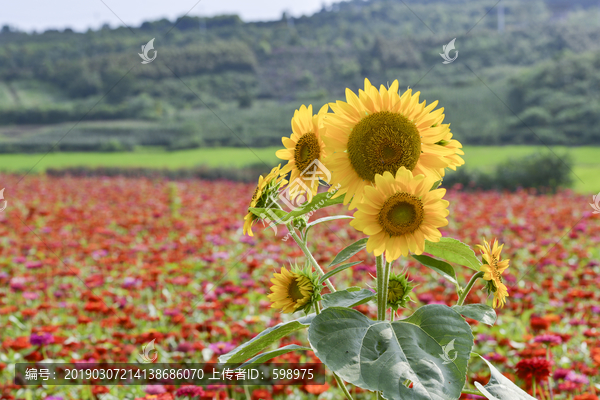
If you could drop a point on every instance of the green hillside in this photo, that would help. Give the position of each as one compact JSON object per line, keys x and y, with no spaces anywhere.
{"x":223,"y":82}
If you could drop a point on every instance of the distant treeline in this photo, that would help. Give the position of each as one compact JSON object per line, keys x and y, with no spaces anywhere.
{"x":543,"y":58}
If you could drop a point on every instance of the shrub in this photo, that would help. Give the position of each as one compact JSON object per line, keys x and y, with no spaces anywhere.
{"x":545,"y":172}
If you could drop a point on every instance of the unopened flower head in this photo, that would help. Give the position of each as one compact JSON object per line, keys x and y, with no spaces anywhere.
{"x":399,"y":289}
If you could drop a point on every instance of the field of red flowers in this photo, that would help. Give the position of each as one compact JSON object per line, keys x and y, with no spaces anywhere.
{"x":92,"y":269}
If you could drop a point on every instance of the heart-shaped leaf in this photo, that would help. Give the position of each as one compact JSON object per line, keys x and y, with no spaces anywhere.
{"x":347,"y":298}
{"x":479,"y":312}
{"x":264,"y":339}
{"x":500,"y":387}
{"x":429,"y":349}
{"x":453,"y":251}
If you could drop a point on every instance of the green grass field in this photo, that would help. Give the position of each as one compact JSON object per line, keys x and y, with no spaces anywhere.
{"x":586,"y":159}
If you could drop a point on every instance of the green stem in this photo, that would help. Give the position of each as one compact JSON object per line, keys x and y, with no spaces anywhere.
{"x":247,"y":392}
{"x":533,"y":386}
{"x":465,"y":293}
{"x":337,"y":378}
{"x":309,"y":255}
{"x":383,"y":275}
{"x":470,"y":391}
{"x":383,"y":271}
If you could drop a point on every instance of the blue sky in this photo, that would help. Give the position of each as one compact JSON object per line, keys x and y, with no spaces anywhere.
{"x":80,"y":15}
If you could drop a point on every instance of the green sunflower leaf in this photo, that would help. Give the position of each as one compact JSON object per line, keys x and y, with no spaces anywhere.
{"x":337,"y":270}
{"x":441,"y":267}
{"x":479,"y":312}
{"x":500,"y":387}
{"x":429,"y":349}
{"x":274,"y":214}
{"x":319,"y":201}
{"x":453,"y":251}
{"x":349,"y":251}
{"x":261,"y":358}
{"x":264,"y":339}
{"x":347,"y":298}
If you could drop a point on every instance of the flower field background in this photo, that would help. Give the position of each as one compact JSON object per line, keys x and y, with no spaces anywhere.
{"x":92,"y":269}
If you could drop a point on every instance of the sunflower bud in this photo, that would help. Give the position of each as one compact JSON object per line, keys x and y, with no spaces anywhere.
{"x":399,"y":289}
{"x":294,"y":290}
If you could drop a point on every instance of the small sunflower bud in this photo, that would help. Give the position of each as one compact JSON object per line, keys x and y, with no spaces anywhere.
{"x":399,"y":289}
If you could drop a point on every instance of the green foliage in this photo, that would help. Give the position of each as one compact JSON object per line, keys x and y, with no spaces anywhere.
{"x":500,"y":387}
{"x":265,"y":339}
{"x":454,"y":251}
{"x":545,"y":171}
{"x":350,"y":297}
{"x":349,"y":251}
{"x":479,"y":312}
{"x":441,"y":267}
{"x":362,"y":351}
{"x":544,"y":75}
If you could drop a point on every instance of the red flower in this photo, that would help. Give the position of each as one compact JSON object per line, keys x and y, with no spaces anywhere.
{"x":538,"y":368}
{"x":261,"y":394}
{"x":315,"y":389}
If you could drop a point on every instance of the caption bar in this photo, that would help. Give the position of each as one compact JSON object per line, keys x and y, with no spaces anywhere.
{"x":170,"y":374}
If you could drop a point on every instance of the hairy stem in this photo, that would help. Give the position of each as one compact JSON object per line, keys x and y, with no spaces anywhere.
{"x":309,"y":255}
{"x":465,"y":293}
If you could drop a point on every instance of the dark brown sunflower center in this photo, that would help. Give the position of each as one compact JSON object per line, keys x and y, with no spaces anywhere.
{"x":255,"y":195}
{"x":294,"y":290}
{"x":402,"y":213}
{"x":381,"y":142}
{"x":307,"y":150}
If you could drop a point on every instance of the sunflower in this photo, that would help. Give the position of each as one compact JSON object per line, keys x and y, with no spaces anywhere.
{"x":262,"y":196}
{"x":493,"y":268}
{"x":302,"y":148}
{"x":399,"y":213}
{"x":294,"y":290}
{"x":455,"y":146}
{"x":381,"y":131}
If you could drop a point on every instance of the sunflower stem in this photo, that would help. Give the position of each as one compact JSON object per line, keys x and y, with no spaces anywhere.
{"x":309,"y":255}
{"x":465,"y":292}
{"x":471,"y":391}
{"x":383,"y":276}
